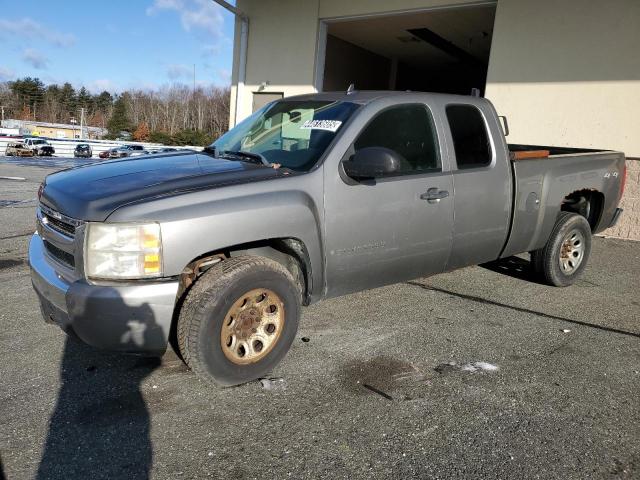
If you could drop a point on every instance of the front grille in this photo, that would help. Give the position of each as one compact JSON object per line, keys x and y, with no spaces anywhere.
{"x":59,"y":222}
{"x":60,"y":255}
{"x":59,"y":225}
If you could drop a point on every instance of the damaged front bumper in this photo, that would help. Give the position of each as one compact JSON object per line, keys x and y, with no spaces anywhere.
{"x":132,"y":317}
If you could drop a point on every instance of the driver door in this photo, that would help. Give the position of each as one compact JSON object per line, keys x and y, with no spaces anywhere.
{"x":385,"y":230}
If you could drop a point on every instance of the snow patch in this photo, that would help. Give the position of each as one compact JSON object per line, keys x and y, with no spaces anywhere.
{"x":482,"y":366}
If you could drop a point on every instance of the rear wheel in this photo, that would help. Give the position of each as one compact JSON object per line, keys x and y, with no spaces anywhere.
{"x":239,"y":320}
{"x":564,"y":257}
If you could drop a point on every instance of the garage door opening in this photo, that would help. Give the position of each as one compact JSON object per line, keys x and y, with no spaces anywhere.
{"x":444,"y":50}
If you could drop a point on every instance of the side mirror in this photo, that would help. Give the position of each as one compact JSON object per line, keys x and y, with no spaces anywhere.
{"x":372,"y":162}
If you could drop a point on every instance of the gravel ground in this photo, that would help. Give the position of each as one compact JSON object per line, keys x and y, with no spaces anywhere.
{"x":386,"y":383}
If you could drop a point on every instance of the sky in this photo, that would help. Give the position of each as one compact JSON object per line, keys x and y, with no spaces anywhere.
{"x":116,"y":45}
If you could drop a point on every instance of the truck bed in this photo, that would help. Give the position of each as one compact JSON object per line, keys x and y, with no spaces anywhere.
{"x":545,"y":177}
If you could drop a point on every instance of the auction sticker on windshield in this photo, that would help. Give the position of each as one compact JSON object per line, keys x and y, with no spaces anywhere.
{"x":329,"y":125}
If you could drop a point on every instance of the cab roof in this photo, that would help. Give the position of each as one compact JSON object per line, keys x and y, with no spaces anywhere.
{"x":367,"y":96}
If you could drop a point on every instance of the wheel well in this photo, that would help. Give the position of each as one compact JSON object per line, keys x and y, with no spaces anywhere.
{"x":289,"y":252}
{"x":588,"y":203}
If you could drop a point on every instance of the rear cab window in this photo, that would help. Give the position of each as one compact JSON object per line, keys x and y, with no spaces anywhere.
{"x":469,"y":136}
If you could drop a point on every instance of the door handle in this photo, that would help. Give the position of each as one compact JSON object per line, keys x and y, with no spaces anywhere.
{"x":434,"y":195}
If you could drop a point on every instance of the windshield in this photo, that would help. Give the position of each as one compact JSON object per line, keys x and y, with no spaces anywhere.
{"x":38,"y":142}
{"x":293,"y":134}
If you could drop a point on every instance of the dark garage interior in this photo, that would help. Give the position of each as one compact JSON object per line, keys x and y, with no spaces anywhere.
{"x":443,"y":50}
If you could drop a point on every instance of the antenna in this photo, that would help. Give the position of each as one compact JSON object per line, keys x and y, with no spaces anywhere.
{"x":351,"y":89}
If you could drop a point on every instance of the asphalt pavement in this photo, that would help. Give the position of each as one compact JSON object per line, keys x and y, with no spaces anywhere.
{"x":478,"y":373}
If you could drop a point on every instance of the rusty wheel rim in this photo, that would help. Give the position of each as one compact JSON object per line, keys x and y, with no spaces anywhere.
{"x":252,"y":326}
{"x":572,"y":251}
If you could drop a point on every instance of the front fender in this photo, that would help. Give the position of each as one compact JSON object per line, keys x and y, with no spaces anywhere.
{"x":198,"y":223}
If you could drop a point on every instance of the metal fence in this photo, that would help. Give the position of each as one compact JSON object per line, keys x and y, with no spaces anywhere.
{"x":65,"y":148}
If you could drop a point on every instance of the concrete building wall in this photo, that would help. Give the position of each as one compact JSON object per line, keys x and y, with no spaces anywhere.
{"x":568,"y":73}
{"x":281,"y":48}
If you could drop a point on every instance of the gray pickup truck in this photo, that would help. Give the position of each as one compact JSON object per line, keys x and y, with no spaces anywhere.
{"x":311,"y":197}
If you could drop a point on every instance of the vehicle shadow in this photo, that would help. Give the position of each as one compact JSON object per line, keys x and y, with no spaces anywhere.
{"x":536,"y":313}
{"x":515,"y":267}
{"x":100,"y":427}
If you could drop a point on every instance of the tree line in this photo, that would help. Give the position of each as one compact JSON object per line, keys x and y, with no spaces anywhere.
{"x":173,"y":114}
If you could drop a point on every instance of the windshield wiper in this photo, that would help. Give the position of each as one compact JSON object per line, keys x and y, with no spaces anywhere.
{"x":247,"y":156}
{"x":210,"y":150}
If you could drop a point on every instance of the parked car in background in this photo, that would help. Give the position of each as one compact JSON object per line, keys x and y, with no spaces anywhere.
{"x":39,"y":147}
{"x":127,"y":151}
{"x":119,"y":152}
{"x":18,"y":149}
{"x":83,"y":150}
{"x":105,"y":153}
{"x":134,"y":147}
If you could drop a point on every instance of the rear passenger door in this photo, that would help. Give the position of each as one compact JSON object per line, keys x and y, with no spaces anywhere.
{"x":386,"y":230}
{"x":482,"y":185}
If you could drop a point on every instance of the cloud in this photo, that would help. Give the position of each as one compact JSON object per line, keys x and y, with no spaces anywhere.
{"x":224,"y":75}
{"x":29,"y":28}
{"x":6,"y":74}
{"x":198,"y":15}
{"x":35,"y":59}
{"x":102,"y":84}
{"x":211,"y":50}
{"x":165,"y":5}
{"x":179,"y":71}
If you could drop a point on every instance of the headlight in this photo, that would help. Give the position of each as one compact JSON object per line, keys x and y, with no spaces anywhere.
{"x":123,"y":251}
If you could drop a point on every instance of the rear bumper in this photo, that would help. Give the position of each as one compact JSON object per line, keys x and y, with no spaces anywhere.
{"x":132,"y":317}
{"x":616,"y":217}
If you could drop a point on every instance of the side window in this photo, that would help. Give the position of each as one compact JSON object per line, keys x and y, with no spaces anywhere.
{"x":409,"y":131}
{"x":470,"y":137}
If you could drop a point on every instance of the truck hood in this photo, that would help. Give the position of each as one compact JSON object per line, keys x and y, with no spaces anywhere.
{"x":93,"y":192}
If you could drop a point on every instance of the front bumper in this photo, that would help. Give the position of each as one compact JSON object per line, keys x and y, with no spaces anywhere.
{"x":131,"y":317}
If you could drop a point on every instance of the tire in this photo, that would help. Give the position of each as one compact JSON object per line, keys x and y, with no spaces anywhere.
{"x":214,"y":310}
{"x":564,"y":257}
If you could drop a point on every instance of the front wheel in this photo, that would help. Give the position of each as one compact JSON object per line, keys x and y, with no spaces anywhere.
{"x":238,"y":320}
{"x":564,"y":257}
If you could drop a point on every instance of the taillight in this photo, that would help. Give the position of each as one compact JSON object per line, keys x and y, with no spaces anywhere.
{"x":623,"y":180}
